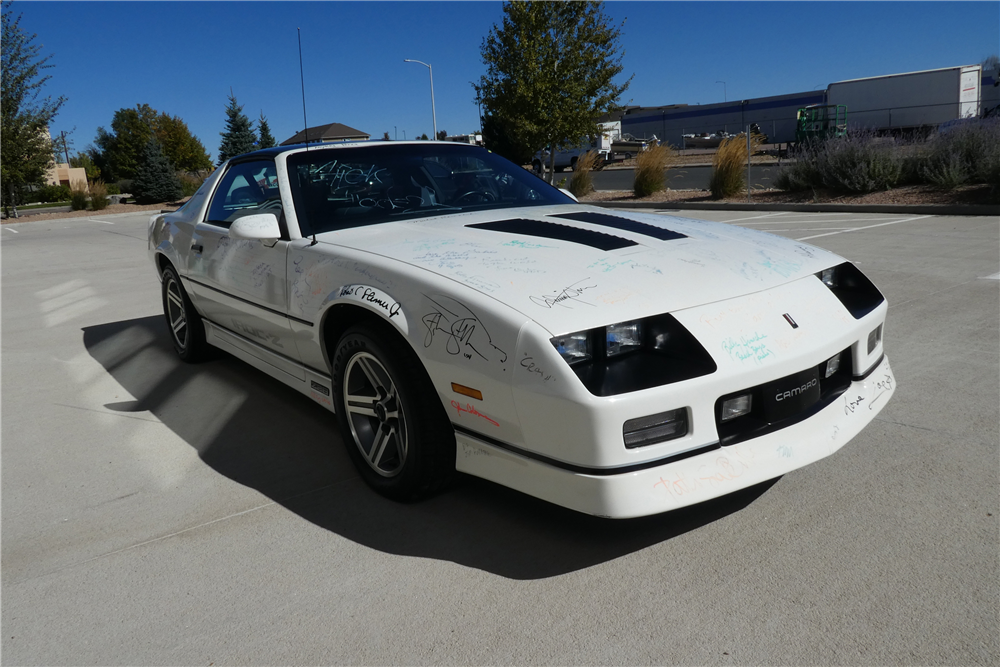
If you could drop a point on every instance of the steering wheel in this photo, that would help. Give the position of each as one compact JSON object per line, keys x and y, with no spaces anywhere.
{"x":483,"y":197}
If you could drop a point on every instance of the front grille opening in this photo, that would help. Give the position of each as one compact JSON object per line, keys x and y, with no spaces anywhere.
{"x":780,"y":403}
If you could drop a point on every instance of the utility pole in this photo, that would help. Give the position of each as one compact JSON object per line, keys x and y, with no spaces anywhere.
{"x":65,"y":148}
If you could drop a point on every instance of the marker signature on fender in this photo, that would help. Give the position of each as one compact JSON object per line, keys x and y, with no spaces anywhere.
{"x":371,"y":296}
{"x":528,"y":363}
{"x":471,"y":409}
{"x":463,"y":331}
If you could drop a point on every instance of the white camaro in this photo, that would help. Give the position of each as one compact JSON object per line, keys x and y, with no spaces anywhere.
{"x":458,"y":313}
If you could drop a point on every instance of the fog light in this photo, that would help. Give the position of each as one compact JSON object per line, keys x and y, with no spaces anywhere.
{"x":736,"y":407}
{"x":656,"y":428}
{"x":832,"y":365}
{"x":874,"y":338}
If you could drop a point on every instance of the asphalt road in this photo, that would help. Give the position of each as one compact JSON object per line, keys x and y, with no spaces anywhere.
{"x":160,"y":513}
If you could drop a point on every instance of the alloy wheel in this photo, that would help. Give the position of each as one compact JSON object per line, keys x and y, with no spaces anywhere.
{"x":375,"y":414}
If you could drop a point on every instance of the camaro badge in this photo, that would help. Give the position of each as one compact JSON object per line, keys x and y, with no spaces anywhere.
{"x":788,"y":318}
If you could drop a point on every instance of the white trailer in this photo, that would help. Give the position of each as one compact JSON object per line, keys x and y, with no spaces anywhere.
{"x":908,"y":101}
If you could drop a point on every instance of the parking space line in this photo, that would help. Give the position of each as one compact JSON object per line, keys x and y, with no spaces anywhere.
{"x":814,"y":229}
{"x":812,"y":220}
{"x":755,"y":217}
{"x":858,"y":229}
{"x":103,"y":222}
{"x":995,"y":276}
{"x":11,"y":230}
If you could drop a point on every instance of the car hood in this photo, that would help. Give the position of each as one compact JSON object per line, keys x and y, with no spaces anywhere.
{"x":575,"y":267}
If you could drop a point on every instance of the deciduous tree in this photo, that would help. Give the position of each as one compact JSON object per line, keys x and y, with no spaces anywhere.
{"x":551,"y":70}
{"x":25,"y":146}
{"x":117,"y":153}
{"x":84,"y":161}
{"x":184,"y":150}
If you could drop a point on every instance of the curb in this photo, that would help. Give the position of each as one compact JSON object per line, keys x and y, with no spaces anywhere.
{"x":928,"y":209}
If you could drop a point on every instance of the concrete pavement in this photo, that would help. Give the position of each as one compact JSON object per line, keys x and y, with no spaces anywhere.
{"x":155,"y":512}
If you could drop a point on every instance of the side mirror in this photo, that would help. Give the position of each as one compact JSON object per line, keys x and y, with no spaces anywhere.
{"x":257,"y":227}
{"x":568,"y":194}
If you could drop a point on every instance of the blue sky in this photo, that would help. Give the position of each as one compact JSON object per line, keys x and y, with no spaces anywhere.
{"x":183,"y":57}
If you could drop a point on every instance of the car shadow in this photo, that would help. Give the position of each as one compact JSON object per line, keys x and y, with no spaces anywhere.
{"x":266,"y":436}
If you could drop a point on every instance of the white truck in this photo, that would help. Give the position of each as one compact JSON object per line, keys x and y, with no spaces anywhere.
{"x":568,"y":157}
{"x":909,"y":101}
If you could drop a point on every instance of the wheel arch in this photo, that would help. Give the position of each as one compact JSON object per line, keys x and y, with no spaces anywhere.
{"x":341,"y":316}
{"x":162,"y":262}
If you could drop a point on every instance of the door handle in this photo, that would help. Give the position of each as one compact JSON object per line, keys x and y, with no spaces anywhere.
{"x":197,"y":247}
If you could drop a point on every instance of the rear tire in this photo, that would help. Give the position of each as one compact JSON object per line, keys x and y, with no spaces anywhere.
{"x":187,"y":331}
{"x":394,"y":427}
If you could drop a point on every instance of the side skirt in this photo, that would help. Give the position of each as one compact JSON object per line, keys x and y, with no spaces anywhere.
{"x":317,"y":386}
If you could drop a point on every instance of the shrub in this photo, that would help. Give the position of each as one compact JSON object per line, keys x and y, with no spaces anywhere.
{"x":113,"y":189}
{"x":52,"y":193}
{"x":729,"y":166}
{"x":189,"y":183}
{"x":125,"y":186}
{"x":800,"y":172}
{"x":98,"y":196}
{"x":860,"y":162}
{"x":78,"y":197}
{"x":966,"y":153}
{"x":857,"y":162}
{"x":651,"y":167}
{"x":582,"y":181}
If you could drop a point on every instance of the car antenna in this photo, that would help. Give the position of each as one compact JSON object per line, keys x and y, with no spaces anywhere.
{"x":302,"y":78}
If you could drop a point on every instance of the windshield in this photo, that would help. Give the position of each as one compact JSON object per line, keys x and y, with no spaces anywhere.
{"x":351,"y":187}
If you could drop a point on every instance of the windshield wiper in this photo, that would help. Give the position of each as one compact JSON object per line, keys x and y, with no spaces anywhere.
{"x":433,"y":208}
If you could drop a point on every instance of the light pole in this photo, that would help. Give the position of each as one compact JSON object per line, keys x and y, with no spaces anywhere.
{"x":433,"y":112}
{"x":724,"y":97}
{"x":395,"y":133}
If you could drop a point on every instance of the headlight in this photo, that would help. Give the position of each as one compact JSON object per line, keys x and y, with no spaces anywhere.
{"x":829,"y":277}
{"x":574,"y":347}
{"x":858,"y":294}
{"x":638,"y":354}
{"x":624,"y":337}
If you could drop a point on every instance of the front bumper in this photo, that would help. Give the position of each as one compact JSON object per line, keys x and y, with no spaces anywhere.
{"x":691,"y":480}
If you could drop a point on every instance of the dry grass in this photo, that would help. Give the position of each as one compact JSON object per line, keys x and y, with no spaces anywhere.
{"x":729,"y":166}
{"x":78,"y":197}
{"x":651,"y":169}
{"x":582,"y":181}
{"x":98,"y":196}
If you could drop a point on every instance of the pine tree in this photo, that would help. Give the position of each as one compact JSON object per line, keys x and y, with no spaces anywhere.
{"x":239,"y":137}
{"x":155,"y":180}
{"x":264,"y":130}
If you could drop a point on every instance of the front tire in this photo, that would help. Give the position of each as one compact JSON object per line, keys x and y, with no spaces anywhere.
{"x":187,"y":331}
{"x":393,"y":425}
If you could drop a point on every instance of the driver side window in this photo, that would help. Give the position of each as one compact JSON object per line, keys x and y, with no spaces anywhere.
{"x":246,"y":189}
